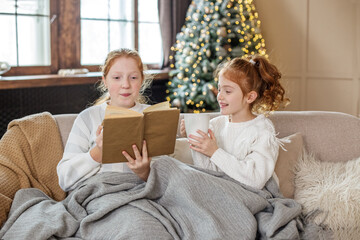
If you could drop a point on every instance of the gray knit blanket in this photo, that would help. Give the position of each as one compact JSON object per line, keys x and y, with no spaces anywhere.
{"x":177,"y":202}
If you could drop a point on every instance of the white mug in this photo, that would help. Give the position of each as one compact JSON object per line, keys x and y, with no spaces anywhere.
{"x":196,"y":121}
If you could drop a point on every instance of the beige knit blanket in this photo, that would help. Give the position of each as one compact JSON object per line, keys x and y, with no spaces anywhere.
{"x":29,"y":153}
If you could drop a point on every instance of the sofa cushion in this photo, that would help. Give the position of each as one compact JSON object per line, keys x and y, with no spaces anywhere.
{"x":285,"y":164}
{"x":332,"y":188}
{"x":182,"y":151}
{"x":65,"y":123}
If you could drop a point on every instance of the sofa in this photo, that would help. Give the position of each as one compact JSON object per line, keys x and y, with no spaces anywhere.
{"x":318,"y":165}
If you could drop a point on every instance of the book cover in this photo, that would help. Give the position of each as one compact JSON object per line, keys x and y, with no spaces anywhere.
{"x":123,"y":127}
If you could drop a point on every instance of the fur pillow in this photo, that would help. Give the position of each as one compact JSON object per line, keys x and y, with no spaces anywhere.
{"x":332,"y":188}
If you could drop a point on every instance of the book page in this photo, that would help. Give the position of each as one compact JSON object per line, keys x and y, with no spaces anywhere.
{"x":158,"y":107}
{"x":118,"y":112}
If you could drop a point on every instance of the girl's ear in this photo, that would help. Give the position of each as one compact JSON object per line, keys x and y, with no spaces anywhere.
{"x":251,"y":97}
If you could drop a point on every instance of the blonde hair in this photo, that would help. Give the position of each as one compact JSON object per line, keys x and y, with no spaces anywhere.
{"x":256,"y":73}
{"x":109,"y":61}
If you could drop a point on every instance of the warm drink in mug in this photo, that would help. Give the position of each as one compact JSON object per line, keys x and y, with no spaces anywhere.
{"x":194,"y":122}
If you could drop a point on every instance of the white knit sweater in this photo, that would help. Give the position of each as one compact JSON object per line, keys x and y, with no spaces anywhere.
{"x":77,"y":164}
{"x":247,"y":151}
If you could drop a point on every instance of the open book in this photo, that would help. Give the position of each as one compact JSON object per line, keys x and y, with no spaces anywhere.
{"x":123,"y":127}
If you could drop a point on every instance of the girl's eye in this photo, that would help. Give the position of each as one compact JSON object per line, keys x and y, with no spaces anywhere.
{"x":227,"y":92}
{"x":134,"y":77}
{"x":116,"y":77}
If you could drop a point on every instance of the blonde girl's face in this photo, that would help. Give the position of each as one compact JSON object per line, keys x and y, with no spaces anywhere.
{"x":232,"y":100}
{"x":123,"y":82}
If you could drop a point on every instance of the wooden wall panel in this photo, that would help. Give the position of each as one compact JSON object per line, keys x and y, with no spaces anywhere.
{"x":316,"y":45}
{"x":331,"y":38}
{"x":330,"y":94}
{"x":292,"y":86}
{"x":284,"y":39}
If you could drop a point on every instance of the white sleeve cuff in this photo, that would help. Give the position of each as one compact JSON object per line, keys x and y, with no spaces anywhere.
{"x":89,"y":160}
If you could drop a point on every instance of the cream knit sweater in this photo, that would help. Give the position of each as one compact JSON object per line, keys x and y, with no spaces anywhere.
{"x":77,"y":164}
{"x":247,"y":151}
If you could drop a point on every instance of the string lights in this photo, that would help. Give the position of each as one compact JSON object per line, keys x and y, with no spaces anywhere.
{"x":214,"y":31}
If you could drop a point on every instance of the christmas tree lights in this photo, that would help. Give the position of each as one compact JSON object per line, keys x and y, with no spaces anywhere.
{"x":214,"y":31}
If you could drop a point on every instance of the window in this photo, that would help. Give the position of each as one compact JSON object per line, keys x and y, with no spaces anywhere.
{"x":105,"y":25}
{"x":150,"y":44}
{"x":26,"y":27}
{"x":112,"y":24}
{"x":46,"y":35}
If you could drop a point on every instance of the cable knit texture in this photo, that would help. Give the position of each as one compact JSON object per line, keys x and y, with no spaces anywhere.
{"x":247,"y":151}
{"x":77,"y":164}
{"x":28,"y":159}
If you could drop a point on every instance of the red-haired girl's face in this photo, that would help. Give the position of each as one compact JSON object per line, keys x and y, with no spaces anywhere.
{"x":232,"y":100}
{"x":123,"y":82}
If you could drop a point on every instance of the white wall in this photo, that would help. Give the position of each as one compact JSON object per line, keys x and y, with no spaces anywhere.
{"x":316,"y":45}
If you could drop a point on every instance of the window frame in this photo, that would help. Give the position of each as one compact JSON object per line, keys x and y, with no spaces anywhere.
{"x":53,"y":67}
{"x":65,"y":41}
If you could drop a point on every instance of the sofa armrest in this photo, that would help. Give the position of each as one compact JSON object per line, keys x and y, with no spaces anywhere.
{"x":65,"y":123}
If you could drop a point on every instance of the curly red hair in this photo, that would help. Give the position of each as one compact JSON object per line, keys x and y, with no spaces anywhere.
{"x":256,"y":73}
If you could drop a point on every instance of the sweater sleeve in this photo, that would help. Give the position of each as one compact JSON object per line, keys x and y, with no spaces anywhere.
{"x":257,"y":167}
{"x":77,"y":164}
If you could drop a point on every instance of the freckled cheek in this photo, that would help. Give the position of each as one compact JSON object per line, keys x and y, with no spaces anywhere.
{"x":112,"y":85}
{"x":115,"y":87}
{"x":136,"y":86}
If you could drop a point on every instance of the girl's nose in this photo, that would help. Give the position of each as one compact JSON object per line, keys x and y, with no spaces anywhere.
{"x":125,"y":83}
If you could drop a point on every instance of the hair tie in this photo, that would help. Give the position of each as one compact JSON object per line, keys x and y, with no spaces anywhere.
{"x":255,"y":64}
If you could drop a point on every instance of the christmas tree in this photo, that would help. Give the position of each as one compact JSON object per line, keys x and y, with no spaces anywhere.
{"x":214,"y":31}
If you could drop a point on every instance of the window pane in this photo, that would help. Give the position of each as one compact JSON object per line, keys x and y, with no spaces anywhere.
{"x":122,"y":9}
{"x":94,"y":42}
{"x":121,"y":35}
{"x":7,"y":6}
{"x":94,"y":9}
{"x":34,"y":7}
{"x":97,"y":39}
{"x":148,"y":11}
{"x":150,"y":49}
{"x":34,"y":40}
{"x":8,"y":53}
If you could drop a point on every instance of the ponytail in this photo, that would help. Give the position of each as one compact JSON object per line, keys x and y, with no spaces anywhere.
{"x":271,"y":93}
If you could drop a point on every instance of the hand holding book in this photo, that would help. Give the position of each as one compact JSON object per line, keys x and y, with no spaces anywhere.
{"x":124,"y":127}
{"x":141,"y":164}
